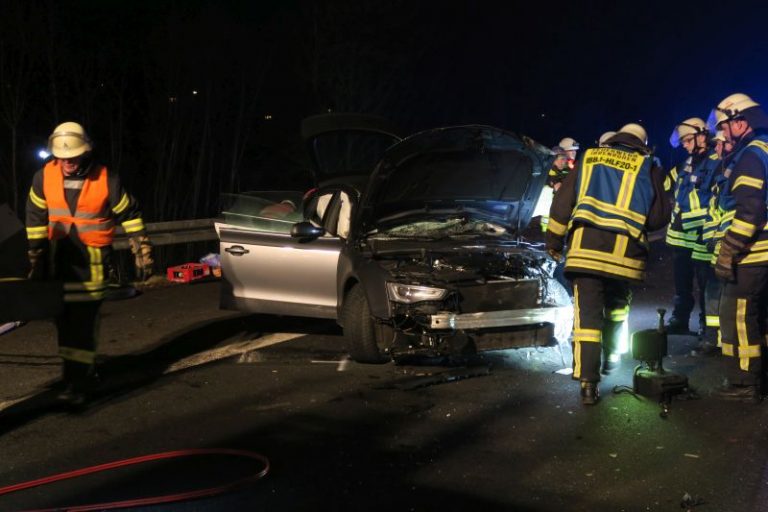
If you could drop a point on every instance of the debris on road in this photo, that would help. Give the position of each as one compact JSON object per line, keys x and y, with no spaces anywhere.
{"x":420,"y":381}
{"x":689,"y":502}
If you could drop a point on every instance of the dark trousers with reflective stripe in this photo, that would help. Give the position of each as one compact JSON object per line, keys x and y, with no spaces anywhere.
{"x":82,"y":269}
{"x":687,"y":270}
{"x":77,"y":330}
{"x":742,"y":325}
{"x":712,"y":308}
{"x":595,"y":328}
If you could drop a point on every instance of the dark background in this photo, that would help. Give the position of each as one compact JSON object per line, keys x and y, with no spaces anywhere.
{"x":128,"y":72}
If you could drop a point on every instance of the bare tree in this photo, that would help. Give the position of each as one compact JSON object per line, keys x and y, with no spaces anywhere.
{"x":16,"y":64}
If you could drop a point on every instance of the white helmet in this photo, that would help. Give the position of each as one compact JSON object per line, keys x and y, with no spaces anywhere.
{"x":604,"y":137}
{"x":719,"y":136}
{"x":569,"y":144}
{"x":731,"y":107}
{"x":69,"y":140}
{"x":636,"y":131}
{"x":691,"y":126}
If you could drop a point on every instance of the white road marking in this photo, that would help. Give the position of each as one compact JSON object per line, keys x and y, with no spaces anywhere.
{"x":341,"y":364}
{"x":232,"y":350}
{"x":8,"y":403}
{"x":208,"y":356}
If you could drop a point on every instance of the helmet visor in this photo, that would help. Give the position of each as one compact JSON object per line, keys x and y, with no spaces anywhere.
{"x":712,"y":121}
{"x":674,"y":139}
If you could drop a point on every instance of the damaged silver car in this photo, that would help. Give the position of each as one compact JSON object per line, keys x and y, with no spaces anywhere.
{"x":425,"y":258}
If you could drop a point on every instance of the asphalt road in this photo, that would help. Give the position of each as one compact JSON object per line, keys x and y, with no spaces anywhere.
{"x":505,"y":433}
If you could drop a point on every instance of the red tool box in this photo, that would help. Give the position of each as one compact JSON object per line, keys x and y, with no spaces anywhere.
{"x":188,"y":272}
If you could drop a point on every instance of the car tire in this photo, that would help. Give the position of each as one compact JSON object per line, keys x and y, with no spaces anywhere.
{"x":360,"y":329}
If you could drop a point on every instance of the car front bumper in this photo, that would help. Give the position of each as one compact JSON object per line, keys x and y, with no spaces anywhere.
{"x":560,"y":317}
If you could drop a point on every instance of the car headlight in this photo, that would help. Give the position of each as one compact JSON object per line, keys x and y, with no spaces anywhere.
{"x":410,"y":293}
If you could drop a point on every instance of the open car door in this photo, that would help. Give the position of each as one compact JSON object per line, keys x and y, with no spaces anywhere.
{"x":269,"y":265}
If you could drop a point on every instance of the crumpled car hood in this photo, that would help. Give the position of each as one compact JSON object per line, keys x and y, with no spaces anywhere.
{"x":452,"y":262}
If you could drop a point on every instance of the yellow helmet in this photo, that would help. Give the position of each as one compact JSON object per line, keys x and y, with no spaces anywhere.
{"x":730,"y":108}
{"x":604,"y":137}
{"x":636,"y":131}
{"x":691,"y":126}
{"x":719,"y":136}
{"x":69,"y":140}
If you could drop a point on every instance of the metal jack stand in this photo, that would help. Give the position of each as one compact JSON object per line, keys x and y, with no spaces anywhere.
{"x":650,"y":379}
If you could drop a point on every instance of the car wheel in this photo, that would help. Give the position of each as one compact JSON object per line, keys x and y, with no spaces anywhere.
{"x":359,"y":328}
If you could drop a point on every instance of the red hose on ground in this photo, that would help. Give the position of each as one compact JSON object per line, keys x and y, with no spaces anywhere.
{"x":155,"y":500}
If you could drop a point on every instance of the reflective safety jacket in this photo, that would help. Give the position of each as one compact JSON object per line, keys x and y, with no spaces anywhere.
{"x":692,"y":185}
{"x":720,"y":212}
{"x":85,"y":207}
{"x":747,"y":231}
{"x":91,"y":218}
{"x":605,"y":209}
{"x":75,"y":216}
{"x":614,"y":191}
{"x":556,"y":175}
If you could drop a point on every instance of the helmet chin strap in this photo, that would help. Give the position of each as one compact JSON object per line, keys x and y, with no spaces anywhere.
{"x":696,"y":147}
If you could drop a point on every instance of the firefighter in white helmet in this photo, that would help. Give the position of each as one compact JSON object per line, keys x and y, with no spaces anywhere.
{"x":691,"y":182}
{"x":603,"y":211}
{"x":73,"y":207}
{"x":571,"y":148}
{"x":601,"y":142}
{"x":742,"y":259}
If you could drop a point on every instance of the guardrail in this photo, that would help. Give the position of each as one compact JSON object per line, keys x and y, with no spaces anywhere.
{"x":171,"y":232}
{"x":202,"y":230}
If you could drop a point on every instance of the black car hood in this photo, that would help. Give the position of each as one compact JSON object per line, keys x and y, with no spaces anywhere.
{"x":476,"y":170}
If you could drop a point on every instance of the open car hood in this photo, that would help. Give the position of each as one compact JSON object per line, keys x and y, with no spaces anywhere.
{"x":474,"y":170}
{"x":346,"y":147}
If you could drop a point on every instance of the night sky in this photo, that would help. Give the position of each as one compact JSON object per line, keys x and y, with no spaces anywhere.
{"x":540,"y":68}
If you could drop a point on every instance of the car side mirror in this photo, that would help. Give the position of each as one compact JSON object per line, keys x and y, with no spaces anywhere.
{"x":306,"y":230}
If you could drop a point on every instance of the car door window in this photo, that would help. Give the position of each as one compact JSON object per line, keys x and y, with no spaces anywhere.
{"x":332,"y":209}
{"x":345,"y":215}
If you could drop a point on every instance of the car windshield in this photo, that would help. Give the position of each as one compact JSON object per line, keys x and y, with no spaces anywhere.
{"x":443,"y":228}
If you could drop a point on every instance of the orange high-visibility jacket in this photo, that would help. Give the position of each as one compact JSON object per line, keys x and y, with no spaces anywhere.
{"x":92,"y":218}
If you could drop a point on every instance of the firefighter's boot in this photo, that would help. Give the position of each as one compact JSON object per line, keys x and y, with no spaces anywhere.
{"x":677,"y":325}
{"x":590,"y":393}
{"x":610,"y":343}
{"x":81,"y":382}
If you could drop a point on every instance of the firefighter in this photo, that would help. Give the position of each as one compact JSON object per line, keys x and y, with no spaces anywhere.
{"x":601,"y":142}
{"x":719,"y":214}
{"x":571,"y":148}
{"x":555,"y":177}
{"x":73,"y":207}
{"x":605,"y":210}
{"x":691,"y":182}
{"x":559,"y":169}
{"x":742,"y":260}
{"x":721,"y":144}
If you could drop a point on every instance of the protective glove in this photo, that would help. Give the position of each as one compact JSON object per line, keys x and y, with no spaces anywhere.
{"x":724,"y":267}
{"x":142,"y":254}
{"x":38,"y":264}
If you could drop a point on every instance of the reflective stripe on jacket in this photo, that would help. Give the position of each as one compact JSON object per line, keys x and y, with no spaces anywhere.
{"x":693,"y":191}
{"x":614,"y":191}
{"x":748,"y":226}
{"x":91,"y":219}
